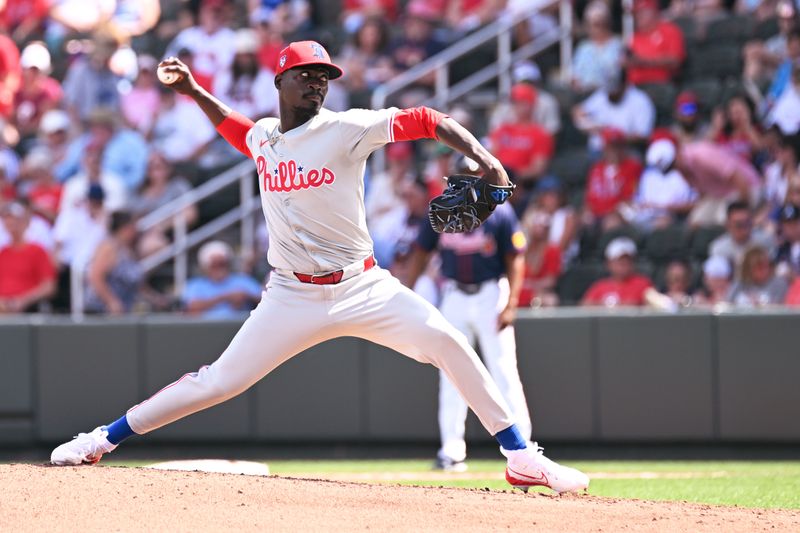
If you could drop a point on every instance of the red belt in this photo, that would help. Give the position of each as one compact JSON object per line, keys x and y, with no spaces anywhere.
{"x":333,"y":277}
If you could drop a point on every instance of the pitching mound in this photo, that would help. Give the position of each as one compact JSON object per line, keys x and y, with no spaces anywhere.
{"x":96,"y":498}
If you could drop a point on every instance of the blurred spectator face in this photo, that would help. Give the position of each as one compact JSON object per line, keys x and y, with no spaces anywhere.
{"x":614,"y":144}
{"x":104,"y":48}
{"x":686,"y":111}
{"x":790,"y":229}
{"x":417,"y":28}
{"x":211,"y":16}
{"x":717,"y":275}
{"x":793,"y":46}
{"x":787,"y":17}
{"x":597,"y":20}
{"x":740,"y":225}
{"x":620,"y":254}
{"x":739,"y":112}
{"x":127,"y":232}
{"x":400,"y":156}
{"x":550,"y":200}
{"x":677,"y":278}
{"x":54,"y":127}
{"x":645,"y":15}
{"x":793,"y":193}
{"x":415,"y":195}
{"x":756,"y":267}
{"x":15,"y":219}
{"x":101,"y":133}
{"x":621,"y":268}
{"x":371,"y":36}
{"x":146,"y":76}
{"x":537,"y":224}
{"x":158,"y":169}
{"x":523,"y":99}
{"x":35,"y":62}
{"x":785,"y":154}
{"x":215,"y":260}
{"x":92,"y":161}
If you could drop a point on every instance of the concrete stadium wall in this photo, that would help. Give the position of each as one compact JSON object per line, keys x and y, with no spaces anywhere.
{"x":589,"y":377}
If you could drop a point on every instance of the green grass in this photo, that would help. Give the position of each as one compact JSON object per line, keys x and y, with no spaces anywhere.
{"x":767,"y":484}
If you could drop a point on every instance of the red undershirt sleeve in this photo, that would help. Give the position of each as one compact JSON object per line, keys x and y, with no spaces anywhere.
{"x":415,"y":123}
{"x":234,"y":129}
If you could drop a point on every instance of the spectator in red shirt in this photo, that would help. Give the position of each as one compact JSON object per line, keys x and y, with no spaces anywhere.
{"x":38,"y":92}
{"x":542,"y":262}
{"x":41,"y":189}
{"x":9,"y":73}
{"x":625,"y":286}
{"x":656,"y":50}
{"x":524,"y":147}
{"x":612,"y":181}
{"x":27,"y":274}
{"x":22,"y":18}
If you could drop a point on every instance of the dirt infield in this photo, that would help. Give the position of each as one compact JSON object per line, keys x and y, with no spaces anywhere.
{"x":40,"y":498}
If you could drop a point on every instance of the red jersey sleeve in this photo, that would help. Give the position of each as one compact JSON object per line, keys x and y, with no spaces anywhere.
{"x":234,"y":129}
{"x":416,"y":123}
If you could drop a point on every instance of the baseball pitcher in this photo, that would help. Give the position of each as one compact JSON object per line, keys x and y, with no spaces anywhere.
{"x":325,"y":282}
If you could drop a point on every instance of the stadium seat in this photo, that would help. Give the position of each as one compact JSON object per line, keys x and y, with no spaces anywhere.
{"x":569,"y":136}
{"x":664,"y":245}
{"x":715,"y":61}
{"x":573,"y":283}
{"x":688,"y":27}
{"x":765,"y":29}
{"x":700,"y":239}
{"x":663,"y":97}
{"x":572,"y":166}
{"x":729,"y":31}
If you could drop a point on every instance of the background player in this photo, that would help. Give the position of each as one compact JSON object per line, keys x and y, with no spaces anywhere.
{"x":325,"y":282}
{"x":484,"y":270}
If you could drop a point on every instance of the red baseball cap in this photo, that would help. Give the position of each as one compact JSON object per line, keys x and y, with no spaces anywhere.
{"x":523,"y":92}
{"x":302,"y":53}
{"x":612,"y":135}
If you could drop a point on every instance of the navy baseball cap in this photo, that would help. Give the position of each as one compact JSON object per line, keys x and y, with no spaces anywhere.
{"x":96,"y":192}
{"x":548,"y":183}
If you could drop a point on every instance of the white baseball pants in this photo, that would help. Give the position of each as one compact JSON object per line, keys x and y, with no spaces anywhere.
{"x":293,"y":316}
{"x":475,"y":316}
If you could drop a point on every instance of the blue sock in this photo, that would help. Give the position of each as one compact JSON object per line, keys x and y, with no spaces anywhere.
{"x":511,"y":439}
{"x":119,"y":431}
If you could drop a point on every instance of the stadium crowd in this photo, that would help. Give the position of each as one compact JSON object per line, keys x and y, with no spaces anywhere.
{"x":663,"y":171}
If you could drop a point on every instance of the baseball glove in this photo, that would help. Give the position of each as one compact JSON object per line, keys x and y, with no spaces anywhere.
{"x":465,"y":203}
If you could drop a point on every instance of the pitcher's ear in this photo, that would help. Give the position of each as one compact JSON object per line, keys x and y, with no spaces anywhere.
{"x":278,"y":81}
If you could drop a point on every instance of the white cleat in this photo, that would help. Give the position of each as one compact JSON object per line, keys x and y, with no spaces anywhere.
{"x":530,"y":468}
{"x":85,"y":448}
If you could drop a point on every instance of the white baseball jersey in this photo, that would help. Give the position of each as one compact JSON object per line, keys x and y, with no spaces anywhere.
{"x":311,"y":180}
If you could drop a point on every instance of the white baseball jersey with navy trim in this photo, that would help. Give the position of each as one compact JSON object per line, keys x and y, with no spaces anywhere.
{"x":312,"y":186}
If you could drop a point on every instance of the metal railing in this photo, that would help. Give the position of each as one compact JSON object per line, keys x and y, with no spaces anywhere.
{"x":183,"y":240}
{"x":500,"y":30}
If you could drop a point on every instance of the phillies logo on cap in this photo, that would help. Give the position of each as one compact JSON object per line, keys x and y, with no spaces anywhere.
{"x":282,"y":61}
{"x":318,"y":51}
